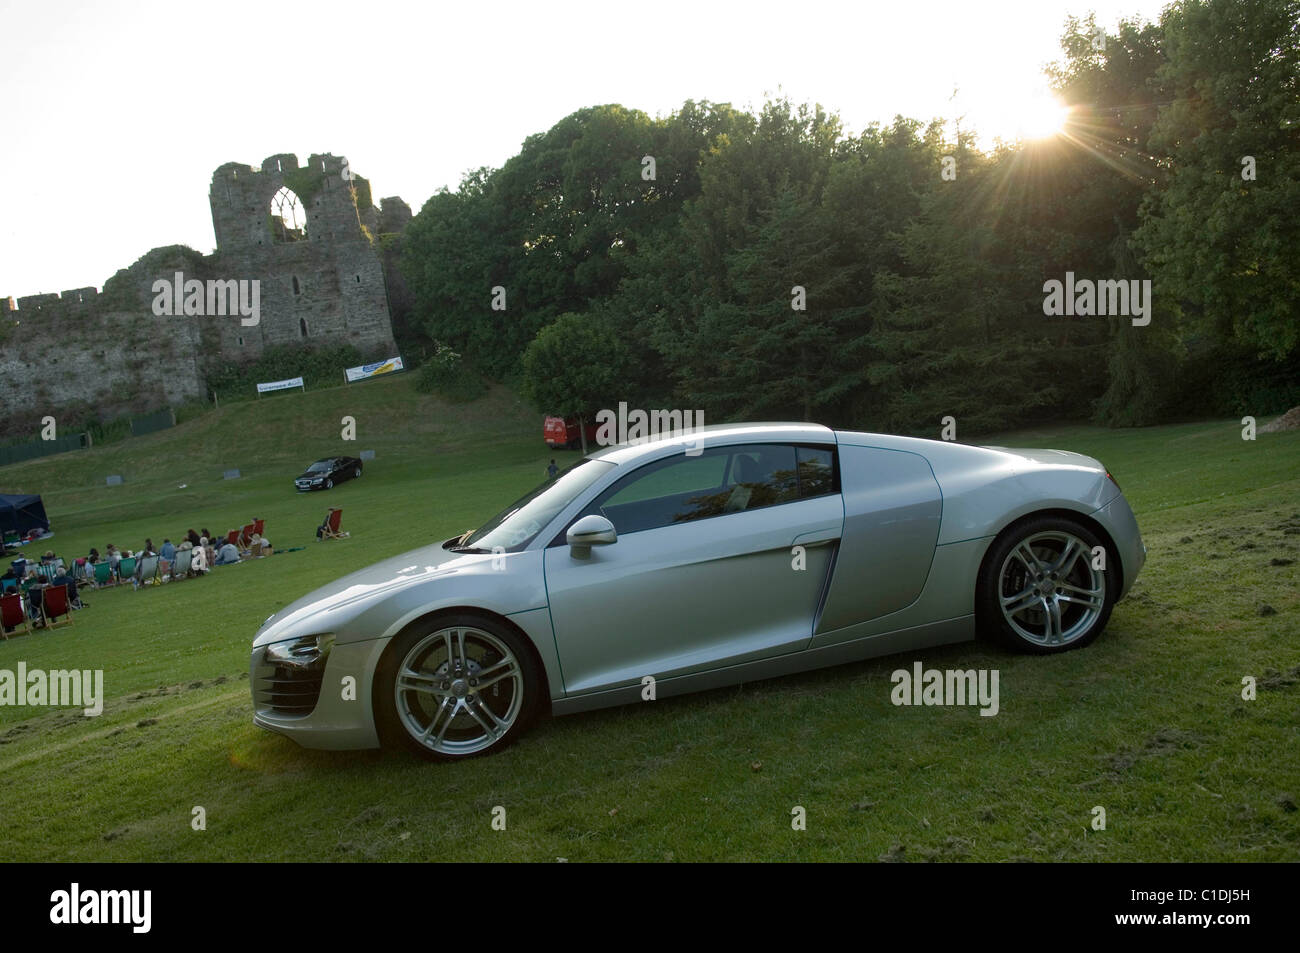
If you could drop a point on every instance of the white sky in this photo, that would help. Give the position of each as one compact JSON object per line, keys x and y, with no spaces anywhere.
{"x":116,"y":114}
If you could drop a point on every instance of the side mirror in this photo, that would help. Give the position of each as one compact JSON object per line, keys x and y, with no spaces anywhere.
{"x":592,"y":530}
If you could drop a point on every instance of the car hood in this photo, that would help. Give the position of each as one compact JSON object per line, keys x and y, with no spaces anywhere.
{"x":337,"y":597}
{"x":308,"y":474}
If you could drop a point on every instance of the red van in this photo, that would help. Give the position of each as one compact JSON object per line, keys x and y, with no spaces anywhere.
{"x":563,"y":433}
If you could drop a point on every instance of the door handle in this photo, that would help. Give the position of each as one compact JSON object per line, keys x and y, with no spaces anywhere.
{"x":817,"y":537}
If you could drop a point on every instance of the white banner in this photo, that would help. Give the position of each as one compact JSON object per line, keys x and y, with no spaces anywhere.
{"x":281,"y":385}
{"x":373,"y":370}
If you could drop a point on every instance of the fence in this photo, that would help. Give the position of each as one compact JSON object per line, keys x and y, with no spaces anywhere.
{"x":151,"y":423}
{"x":16,"y":453}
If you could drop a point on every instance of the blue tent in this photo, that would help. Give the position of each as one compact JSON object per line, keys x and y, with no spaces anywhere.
{"x":21,"y":513}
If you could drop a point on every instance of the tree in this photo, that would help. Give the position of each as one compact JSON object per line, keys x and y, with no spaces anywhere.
{"x":1220,"y":235}
{"x":573,"y":367}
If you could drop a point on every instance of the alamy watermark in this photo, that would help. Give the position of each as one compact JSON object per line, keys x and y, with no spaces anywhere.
{"x":952,"y":687}
{"x":640,"y":426}
{"x":37,"y":688}
{"x":1088,"y":298}
{"x":214,"y":298}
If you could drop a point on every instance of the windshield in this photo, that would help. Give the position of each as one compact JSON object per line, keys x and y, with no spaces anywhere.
{"x":519,"y":523}
{"x":320,"y":466}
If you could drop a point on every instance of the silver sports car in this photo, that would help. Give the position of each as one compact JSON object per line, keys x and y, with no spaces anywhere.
{"x":664,"y":567}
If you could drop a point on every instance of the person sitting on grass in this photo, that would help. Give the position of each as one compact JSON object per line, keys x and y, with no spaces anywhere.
{"x":227,"y":554}
{"x":193,"y":538}
{"x":199,"y":560}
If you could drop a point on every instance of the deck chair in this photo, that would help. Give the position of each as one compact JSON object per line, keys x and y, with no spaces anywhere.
{"x":7,"y":584}
{"x":330,"y":528}
{"x":13,"y":615}
{"x":245,"y":536}
{"x":181,"y":569}
{"x":233,"y":538}
{"x":145,"y":571}
{"x":164,"y":570}
{"x":125,"y":568}
{"x":54,"y":603}
{"x":258,"y":527}
{"x":104,"y":575}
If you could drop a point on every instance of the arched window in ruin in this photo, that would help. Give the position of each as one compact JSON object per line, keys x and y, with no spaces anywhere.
{"x":302,"y":326}
{"x":288,"y":216}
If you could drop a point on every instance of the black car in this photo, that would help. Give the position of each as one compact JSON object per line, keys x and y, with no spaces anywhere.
{"x":323,"y":474}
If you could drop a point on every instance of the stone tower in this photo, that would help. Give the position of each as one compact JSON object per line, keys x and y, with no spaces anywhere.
{"x":305,"y":232}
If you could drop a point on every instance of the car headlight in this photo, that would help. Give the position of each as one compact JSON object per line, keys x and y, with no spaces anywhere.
{"x":307,"y":651}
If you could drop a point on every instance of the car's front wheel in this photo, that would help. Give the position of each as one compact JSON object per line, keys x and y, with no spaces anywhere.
{"x":456,"y":687}
{"x":329,"y":484}
{"x":356,"y":473}
{"x":1047,"y":585}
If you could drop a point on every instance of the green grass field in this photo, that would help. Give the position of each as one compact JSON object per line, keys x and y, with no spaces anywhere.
{"x":1148,"y":723}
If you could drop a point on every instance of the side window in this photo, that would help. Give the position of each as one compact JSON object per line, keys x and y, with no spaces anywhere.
{"x":816,"y":471}
{"x":719,"y":481}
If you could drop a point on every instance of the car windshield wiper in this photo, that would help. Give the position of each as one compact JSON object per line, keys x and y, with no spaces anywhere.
{"x":470,"y":549}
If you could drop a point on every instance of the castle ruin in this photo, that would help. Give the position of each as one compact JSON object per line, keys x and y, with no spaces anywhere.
{"x":307,"y":234}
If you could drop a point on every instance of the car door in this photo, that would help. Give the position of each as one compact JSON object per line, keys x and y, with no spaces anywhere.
{"x":705,"y":571}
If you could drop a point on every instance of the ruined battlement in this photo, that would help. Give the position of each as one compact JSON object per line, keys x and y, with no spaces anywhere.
{"x":63,"y":303}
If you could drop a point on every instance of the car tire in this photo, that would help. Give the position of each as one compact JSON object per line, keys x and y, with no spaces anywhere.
{"x":415,"y":715}
{"x":356,"y":474}
{"x":1040,"y":590}
{"x":329,"y":484}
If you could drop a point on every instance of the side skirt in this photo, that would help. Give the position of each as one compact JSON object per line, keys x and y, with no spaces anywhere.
{"x":888,"y":643}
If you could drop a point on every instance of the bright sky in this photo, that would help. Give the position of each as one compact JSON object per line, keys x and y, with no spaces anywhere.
{"x":116,"y":114}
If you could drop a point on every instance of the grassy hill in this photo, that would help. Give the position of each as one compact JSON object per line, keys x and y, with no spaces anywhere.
{"x":1148,"y":722}
{"x":173,"y":478}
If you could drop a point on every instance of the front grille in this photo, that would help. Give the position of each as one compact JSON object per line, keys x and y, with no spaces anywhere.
{"x":288,"y":690}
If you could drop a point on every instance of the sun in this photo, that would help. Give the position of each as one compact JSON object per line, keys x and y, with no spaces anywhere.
{"x":1041,"y":118}
{"x":1016,"y":116}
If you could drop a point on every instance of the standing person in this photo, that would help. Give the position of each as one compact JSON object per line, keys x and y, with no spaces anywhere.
{"x":552,"y":471}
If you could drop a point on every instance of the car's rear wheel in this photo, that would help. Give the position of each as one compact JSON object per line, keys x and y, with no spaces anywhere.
{"x":1042,"y":590}
{"x":456,"y":687}
{"x":357,"y":473}
{"x":329,"y":484}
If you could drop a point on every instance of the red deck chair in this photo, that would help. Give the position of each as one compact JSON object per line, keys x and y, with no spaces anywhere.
{"x":232,"y":537}
{"x":54,"y":603}
{"x":330,"y":528}
{"x":12,"y":615}
{"x":246,"y":535}
{"x":258,"y":527}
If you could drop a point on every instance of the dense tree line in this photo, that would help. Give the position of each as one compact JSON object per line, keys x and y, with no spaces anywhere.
{"x":771,"y":265}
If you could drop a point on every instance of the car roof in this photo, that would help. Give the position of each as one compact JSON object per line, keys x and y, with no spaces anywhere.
{"x":766,"y":432}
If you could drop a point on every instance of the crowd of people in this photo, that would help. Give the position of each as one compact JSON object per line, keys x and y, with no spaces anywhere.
{"x":30,"y":579}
